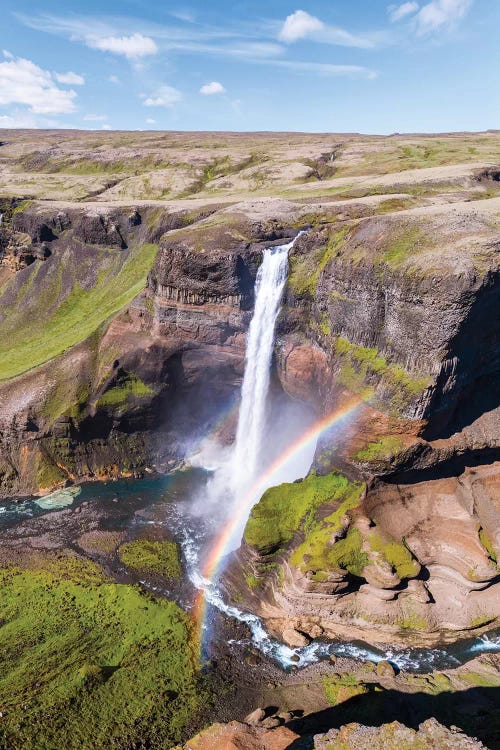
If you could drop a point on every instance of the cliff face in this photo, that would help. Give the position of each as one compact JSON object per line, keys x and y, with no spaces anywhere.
{"x":97,"y":391}
{"x":125,"y":334}
{"x":381,"y":310}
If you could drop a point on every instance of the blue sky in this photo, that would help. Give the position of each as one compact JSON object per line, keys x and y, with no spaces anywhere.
{"x":338,"y":65}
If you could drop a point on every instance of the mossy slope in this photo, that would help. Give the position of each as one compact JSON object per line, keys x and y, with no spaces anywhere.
{"x":156,"y":557}
{"x":87,"y":663}
{"x":284,"y":509}
{"x":50,"y":307}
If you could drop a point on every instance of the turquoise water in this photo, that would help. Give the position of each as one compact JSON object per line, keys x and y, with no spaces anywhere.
{"x":164,"y":502}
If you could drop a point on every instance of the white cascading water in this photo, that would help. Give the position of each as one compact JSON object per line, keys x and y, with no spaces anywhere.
{"x":271,"y":279}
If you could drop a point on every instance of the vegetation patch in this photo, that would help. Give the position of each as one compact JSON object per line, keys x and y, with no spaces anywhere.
{"x":402,"y":246}
{"x":360,"y":366}
{"x":322,"y":552}
{"x":411,"y":620}
{"x":128,"y":388}
{"x":252,"y":581}
{"x":87,"y":663}
{"x":48,"y":473}
{"x":396,"y":554}
{"x":488,"y":545}
{"x":306,"y":268}
{"x":67,"y":398}
{"x":381,"y":449}
{"x":392,"y":205}
{"x":284,"y":509}
{"x":64,"y":321}
{"x":153,"y":557}
{"x":341,"y":688}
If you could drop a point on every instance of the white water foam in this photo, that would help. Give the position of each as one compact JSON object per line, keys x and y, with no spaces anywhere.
{"x":236,"y":470}
{"x":271,"y":279}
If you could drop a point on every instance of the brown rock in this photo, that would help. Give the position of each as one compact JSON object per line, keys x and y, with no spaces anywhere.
{"x":294,"y":639}
{"x":385,"y":669}
{"x":255,"y":717}
{"x":272,"y":722}
{"x":237,"y":736}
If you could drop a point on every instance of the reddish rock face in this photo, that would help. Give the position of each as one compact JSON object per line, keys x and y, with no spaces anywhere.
{"x":304,"y":371}
{"x":237,"y":736}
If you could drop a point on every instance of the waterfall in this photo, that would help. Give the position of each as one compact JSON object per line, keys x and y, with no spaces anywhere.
{"x":271,"y":279}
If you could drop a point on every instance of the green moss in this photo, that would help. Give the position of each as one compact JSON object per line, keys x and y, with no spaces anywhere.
{"x":340,"y":688}
{"x":85,"y":166}
{"x":305,"y":269}
{"x":126,"y":390}
{"x":321,"y":553}
{"x":401,"y":246}
{"x":66,"y":399}
{"x":283,"y":509}
{"x":487,"y":544}
{"x":62,"y":325}
{"x":156,"y":557}
{"x":479,"y":679}
{"x":360,"y":366}
{"x":20,"y":208}
{"x":89,"y":664}
{"x":381,"y":449}
{"x":325,"y":326}
{"x":252,"y":581}
{"x":392,"y":205}
{"x":49,"y":474}
{"x":396,"y":554}
{"x":481,"y":620}
{"x":412,"y":621}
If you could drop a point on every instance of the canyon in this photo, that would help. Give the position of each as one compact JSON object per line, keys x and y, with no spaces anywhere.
{"x":127,"y":285}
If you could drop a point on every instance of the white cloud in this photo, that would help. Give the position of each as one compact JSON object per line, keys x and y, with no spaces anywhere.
{"x":106,"y":126}
{"x":14,"y":121}
{"x":150,"y":121}
{"x":23,"y":82}
{"x":440,"y":14}
{"x":70,"y":78}
{"x":7,"y":54}
{"x":212,"y":88}
{"x":398,"y":12}
{"x":114,"y":79}
{"x":166,"y":96}
{"x":132,"y":47}
{"x":95,"y":118}
{"x":299,"y":25}
{"x":325,"y":69}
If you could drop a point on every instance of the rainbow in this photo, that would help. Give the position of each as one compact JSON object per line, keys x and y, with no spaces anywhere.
{"x":226,"y":541}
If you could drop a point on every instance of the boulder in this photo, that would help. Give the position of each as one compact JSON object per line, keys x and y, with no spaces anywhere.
{"x":385,"y":669}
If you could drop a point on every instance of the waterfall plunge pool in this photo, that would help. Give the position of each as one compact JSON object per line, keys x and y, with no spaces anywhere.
{"x":162,"y":505}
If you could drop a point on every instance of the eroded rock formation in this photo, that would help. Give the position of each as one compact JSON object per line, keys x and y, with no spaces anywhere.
{"x":397,"y":312}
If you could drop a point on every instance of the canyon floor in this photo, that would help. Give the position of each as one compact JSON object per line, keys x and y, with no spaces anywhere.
{"x":128,"y":264}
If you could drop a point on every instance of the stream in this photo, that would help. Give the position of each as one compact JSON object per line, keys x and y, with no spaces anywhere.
{"x":164,"y":503}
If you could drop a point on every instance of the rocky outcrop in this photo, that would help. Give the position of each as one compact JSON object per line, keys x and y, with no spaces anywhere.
{"x":132,"y":396}
{"x":402,"y":291}
{"x":429,"y":735}
{"x":415,"y":563}
{"x":376,"y":310}
{"x":238,"y":736}
{"x":395,"y":736}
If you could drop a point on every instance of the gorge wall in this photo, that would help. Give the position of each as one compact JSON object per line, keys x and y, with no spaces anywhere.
{"x":126,"y":335}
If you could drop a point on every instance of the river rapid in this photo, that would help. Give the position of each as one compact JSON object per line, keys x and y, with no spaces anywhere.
{"x":163,"y":505}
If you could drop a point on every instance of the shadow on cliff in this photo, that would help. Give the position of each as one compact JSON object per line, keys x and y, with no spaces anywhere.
{"x":476,"y":711}
{"x":469,"y":385}
{"x":453,"y":466}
